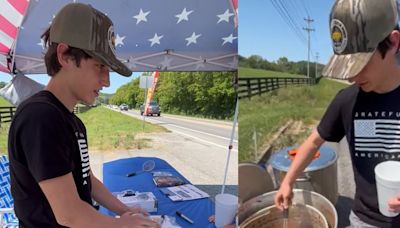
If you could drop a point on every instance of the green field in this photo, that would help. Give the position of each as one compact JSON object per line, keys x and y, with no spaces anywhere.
{"x":106,"y":129}
{"x":267,"y":113}
{"x":249,"y":72}
{"x":4,"y":129}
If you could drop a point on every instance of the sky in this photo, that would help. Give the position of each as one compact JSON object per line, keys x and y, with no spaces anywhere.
{"x":263,"y":32}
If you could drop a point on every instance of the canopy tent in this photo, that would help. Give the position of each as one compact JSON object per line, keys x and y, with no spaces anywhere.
{"x":174,"y":35}
{"x":178,"y":35}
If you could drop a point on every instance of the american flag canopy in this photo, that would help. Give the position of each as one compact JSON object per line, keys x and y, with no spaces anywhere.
{"x":173,"y":35}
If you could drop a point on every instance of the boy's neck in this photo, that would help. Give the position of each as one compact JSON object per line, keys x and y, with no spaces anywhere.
{"x":391,"y":81}
{"x":60,"y":89}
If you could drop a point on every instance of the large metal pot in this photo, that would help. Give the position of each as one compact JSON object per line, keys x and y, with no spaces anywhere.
{"x":299,"y":216}
{"x":319,"y":176}
{"x":255,"y":211}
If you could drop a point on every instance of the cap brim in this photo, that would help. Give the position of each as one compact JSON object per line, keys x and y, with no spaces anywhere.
{"x":346,"y":66}
{"x":112,"y":62}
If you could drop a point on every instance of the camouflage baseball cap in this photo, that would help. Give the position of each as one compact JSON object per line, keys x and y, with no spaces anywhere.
{"x":357,"y":27}
{"x":81,"y":26}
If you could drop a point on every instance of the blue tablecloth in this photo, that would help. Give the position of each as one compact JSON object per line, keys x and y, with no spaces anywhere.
{"x":115,"y":179}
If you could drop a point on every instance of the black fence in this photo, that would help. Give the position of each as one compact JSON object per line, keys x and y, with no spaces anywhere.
{"x":6,"y":114}
{"x":249,"y":87}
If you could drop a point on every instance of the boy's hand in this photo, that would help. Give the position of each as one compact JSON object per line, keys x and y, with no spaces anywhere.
{"x":138,"y":221}
{"x":283,"y":198}
{"x":138,"y":210}
{"x":394,"y":204}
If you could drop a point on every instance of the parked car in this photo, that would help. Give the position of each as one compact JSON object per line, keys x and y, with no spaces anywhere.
{"x":154,"y":108}
{"x":123,"y":107}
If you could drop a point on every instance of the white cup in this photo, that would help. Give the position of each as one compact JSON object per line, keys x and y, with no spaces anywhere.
{"x":225,"y":209}
{"x":387,"y":184}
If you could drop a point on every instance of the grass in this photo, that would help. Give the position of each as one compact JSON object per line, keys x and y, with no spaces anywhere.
{"x":4,"y":137}
{"x":3,"y":102}
{"x":249,"y":72}
{"x":4,"y":129}
{"x":110,"y":130}
{"x":267,"y":113}
{"x":106,"y":130}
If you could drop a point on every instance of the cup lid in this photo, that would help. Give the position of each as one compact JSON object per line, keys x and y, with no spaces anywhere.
{"x":282,"y":159}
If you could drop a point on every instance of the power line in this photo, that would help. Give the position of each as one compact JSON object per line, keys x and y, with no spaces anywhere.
{"x":316,"y":65}
{"x":290,"y":11}
{"x":295,"y":26}
{"x":289,"y":15}
{"x":298,"y":6}
{"x":280,"y":8}
{"x":305,"y":8}
{"x":296,"y":10}
{"x":308,"y":30}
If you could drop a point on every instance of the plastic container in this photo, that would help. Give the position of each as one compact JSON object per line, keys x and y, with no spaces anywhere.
{"x":387,"y":184}
{"x":225,"y":209}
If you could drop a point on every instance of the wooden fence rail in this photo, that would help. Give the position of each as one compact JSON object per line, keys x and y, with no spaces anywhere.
{"x":6,"y":114}
{"x":249,"y":87}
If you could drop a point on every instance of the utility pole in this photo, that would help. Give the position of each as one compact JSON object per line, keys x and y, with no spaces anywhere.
{"x":316,"y":63}
{"x":309,"y":30}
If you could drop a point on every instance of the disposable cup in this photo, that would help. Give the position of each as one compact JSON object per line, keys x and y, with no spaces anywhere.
{"x":387,"y":184}
{"x":225,"y":209}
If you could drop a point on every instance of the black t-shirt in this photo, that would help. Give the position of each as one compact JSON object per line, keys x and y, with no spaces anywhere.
{"x":45,"y":141}
{"x":371,"y":124}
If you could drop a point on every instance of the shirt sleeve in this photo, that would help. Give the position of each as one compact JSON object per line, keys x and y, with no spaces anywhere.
{"x":331,"y":127}
{"x":46,"y":141}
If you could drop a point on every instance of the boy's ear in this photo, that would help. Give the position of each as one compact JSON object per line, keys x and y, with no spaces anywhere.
{"x":62,"y":58}
{"x":395,"y":40}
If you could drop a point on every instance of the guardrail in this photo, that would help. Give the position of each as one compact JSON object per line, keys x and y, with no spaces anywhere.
{"x":251,"y":86}
{"x":6,"y":114}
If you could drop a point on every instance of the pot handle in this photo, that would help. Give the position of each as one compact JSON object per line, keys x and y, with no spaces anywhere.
{"x":272,"y":174}
{"x":305,"y":178}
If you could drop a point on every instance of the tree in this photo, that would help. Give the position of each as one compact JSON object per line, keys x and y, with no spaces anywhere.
{"x":208,"y":94}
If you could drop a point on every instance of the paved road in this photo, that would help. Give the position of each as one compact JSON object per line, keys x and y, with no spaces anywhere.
{"x":216,"y":133}
{"x":346,"y":185}
{"x":195,"y":147}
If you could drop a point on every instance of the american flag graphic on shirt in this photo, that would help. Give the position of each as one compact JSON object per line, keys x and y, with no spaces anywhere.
{"x":377,"y":135}
{"x":84,"y":152}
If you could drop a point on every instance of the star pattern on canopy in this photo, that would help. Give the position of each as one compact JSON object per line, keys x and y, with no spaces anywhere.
{"x":180,"y":35}
{"x":183,"y":16}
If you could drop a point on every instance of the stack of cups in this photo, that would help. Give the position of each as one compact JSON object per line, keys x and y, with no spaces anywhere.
{"x":225,"y":209}
{"x":387,"y":184}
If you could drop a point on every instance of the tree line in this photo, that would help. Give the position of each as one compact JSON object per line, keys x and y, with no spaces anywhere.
{"x":281,"y":65}
{"x":206,"y":94}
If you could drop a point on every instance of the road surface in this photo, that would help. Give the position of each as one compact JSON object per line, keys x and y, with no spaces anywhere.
{"x":216,"y":133}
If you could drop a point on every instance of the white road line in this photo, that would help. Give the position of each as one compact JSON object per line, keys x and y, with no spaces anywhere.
{"x":197,"y":138}
{"x":201,"y":132}
{"x":188,"y":129}
{"x":179,"y":132}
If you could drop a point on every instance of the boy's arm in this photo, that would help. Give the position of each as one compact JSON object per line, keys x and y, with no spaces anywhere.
{"x":69,"y":210}
{"x":304,"y":156}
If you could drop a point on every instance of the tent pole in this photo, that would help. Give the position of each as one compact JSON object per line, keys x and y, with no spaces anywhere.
{"x":230,"y":144}
{"x":144,"y":110}
{"x":15,"y":41}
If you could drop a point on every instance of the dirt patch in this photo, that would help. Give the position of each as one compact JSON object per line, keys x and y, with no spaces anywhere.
{"x":295,"y":128}
{"x":291,"y":134}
